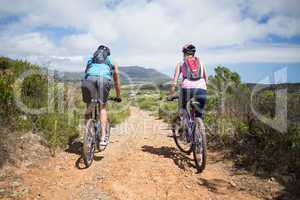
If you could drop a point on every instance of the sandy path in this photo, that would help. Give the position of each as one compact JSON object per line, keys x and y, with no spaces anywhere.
{"x":141,"y":162}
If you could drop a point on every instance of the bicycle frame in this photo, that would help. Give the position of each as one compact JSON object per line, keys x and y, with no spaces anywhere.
{"x":95,"y":105}
{"x":189,"y":123}
{"x":95,"y":116}
{"x":92,"y":139}
{"x":189,"y":120}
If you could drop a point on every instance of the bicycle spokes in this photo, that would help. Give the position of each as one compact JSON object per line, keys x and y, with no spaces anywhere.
{"x":89,"y":143}
{"x":199,"y":146}
{"x":181,"y":138}
{"x":91,"y":146}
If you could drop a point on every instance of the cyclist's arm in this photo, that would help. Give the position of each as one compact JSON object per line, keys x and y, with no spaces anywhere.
{"x":117,"y":81}
{"x":175,"y":79}
{"x":204,"y":72}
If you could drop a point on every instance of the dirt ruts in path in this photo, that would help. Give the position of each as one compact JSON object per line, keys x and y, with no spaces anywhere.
{"x":141,"y":162}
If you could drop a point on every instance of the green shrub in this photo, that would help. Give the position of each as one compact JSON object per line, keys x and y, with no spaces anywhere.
{"x":168,"y":111}
{"x":33,"y":92}
{"x":118,"y":112}
{"x":149,"y":103}
{"x":253,"y":143}
{"x":56,"y":130}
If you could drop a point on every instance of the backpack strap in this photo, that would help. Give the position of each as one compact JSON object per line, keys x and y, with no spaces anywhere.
{"x":183,"y":69}
{"x":89,"y":64}
{"x":111,"y":66}
{"x":200,"y":67}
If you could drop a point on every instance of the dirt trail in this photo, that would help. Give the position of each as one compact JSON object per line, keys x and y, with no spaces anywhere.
{"x":141,"y":162}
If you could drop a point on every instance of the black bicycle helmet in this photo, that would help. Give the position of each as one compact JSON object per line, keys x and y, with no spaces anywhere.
{"x":189,"y":49}
{"x":104,"y":48}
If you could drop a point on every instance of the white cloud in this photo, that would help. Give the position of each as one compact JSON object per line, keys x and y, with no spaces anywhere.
{"x":284,"y":26}
{"x":27,"y":44}
{"x":256,"y":54}
{"x":151,"y":33}
{"x":80,"y":44}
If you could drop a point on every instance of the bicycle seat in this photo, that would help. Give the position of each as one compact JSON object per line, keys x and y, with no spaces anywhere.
{"x":109,"y":99}
{"x":194,"y":103}
{"x":95,"y":100}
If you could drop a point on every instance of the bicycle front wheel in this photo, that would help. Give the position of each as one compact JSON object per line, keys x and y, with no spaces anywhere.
{"x":180,"y":137}
{"x":200,"y":145}
{"x":89,"y":143}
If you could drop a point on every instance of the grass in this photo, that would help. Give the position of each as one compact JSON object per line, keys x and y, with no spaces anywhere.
{"x":118,"y":112}
{"x":168,"y":111}
{"x":148,"y":103}
{"x":156,"y":103}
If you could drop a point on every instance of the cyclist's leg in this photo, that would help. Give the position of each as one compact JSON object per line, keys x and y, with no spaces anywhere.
{"x":104,"y":86}
{"x":182,"y":102}
{"x":185,"y":97}
{"x":104,"y":121}
{"x":89,"y":92}
{"x":200,"y":96}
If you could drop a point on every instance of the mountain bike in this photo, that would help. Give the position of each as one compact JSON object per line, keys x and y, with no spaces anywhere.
{"x":189,"y":133}
{"x":92,"y":135}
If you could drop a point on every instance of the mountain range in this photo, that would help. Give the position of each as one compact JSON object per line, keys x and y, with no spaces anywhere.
{"x":128,"y":75}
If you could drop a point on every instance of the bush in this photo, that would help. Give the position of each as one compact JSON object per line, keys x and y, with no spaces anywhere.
{"x":168,"y":111}
{"x":253,"y":143}
{"x":118,"y":112}
{"x":148,"y":102}
{"x":56,"y":130}
{"x":33,"y":92}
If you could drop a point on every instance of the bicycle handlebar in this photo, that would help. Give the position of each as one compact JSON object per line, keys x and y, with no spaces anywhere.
{"x":172,"y":98}
{"x":115,"y":99}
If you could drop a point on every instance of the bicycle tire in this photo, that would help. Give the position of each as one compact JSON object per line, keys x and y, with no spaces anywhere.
{"x":97,"y":138}
{"x":200,"y":145}
{"x":89,"y":143}
{"x":176,"y":135}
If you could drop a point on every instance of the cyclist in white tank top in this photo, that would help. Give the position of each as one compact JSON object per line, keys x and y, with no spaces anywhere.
{"x":201,"y":83}
{"x":190,"y":87}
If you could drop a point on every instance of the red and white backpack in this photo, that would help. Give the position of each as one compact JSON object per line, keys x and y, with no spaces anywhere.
{"x":191,"y":69}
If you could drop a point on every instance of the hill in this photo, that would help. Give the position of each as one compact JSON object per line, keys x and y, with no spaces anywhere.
{"x":136,"y":74}
{"x":129,"y":74}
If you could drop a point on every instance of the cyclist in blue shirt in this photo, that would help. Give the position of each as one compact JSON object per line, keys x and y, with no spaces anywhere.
{"x":101,"y":74}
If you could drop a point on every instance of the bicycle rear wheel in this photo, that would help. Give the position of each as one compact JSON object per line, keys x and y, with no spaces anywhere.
{"x":200,"y":145}
{"x":89,"y":143}
{"x":179,"y":135}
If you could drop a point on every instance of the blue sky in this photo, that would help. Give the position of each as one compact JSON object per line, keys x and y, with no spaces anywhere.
{"x":254,"y":38}
{"x":257,"y":72}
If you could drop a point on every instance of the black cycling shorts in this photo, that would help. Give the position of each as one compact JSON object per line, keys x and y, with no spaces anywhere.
{"x":96,"y":88}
